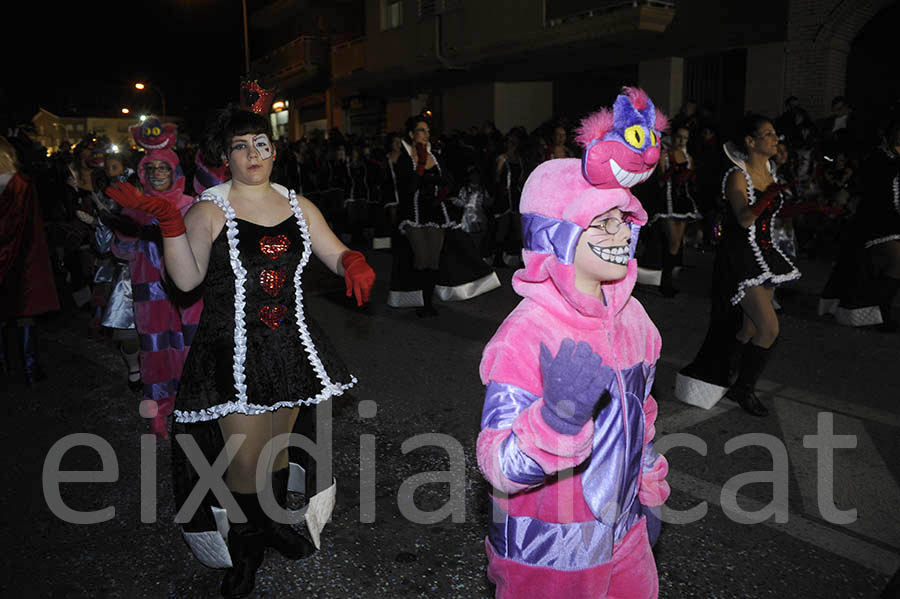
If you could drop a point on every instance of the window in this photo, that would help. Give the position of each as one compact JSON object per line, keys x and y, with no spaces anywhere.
{"x":391,"y":14}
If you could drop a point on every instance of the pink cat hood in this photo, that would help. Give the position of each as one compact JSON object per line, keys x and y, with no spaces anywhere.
{"x":557,"y":189}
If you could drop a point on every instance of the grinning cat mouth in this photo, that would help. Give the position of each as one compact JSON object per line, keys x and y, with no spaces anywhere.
{"x":619,"y":254}
{"x":628,"y":178}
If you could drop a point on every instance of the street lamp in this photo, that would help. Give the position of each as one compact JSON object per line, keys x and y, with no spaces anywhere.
{"x":142,"y":86}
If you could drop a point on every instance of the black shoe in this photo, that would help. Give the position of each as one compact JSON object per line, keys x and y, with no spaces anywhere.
{"x":281,"y":536}
{"x":747,"y":400}
{"x":247,"y":547}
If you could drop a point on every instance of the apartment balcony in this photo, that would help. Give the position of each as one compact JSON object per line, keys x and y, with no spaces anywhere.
{"x":610,"y":15}
{"x":348,"y":58}
{"x":294,"y":63}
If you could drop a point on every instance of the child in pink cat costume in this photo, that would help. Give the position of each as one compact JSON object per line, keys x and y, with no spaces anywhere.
{"x":567,"y":426}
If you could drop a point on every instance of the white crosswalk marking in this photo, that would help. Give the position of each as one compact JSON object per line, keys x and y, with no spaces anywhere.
{"x":862,"y":480}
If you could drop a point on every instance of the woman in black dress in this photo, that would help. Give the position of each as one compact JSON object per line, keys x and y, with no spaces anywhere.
{"x":747,"y":269}
{"x":423,"y":193}
{"x":677,"y":208}
{"x":257,"y":359}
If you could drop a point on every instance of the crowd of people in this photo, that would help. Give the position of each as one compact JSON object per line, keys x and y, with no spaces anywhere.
{"x":359,"y":183}
{"x":191,"y":259}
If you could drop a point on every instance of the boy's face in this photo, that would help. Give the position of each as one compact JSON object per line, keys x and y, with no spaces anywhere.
{"x":603,"y":250}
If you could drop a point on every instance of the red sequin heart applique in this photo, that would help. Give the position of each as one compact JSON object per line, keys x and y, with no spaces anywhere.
{"x":271,"y":281}
{"x":272,"y":315}
{"x":273,"y":247}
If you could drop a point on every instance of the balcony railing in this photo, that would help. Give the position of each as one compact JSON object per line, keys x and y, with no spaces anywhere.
{"x":305,"y":53}
{"x":348,"y":57}
{"x":562,"y":12}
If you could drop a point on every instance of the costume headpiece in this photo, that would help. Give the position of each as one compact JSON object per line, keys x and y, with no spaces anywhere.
{"x":561,"y":197}
{"x":621,"y":146}
{"x":154,"y":135}
{"x":255,"y":97}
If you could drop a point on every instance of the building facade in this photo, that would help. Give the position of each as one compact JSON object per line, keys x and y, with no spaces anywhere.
{"x":522,"y":62}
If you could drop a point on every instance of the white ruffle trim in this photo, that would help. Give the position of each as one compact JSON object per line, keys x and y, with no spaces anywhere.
{"x":872,"y":242}
{"x":767,"y":275}
{"x":219,"y":196}
{"x":217,"y":411}
{"x":896,"y":186}
{"x":410,"y":223}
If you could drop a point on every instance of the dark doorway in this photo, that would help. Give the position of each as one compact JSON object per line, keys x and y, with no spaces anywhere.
{"x":873,"y":85}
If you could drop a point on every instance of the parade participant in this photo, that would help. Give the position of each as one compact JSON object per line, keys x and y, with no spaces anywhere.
{"x":257,"y":356}
{"x":474,"y":198}
{"x":422,"y":212}
{"x":434,"y":256}
{"x":111,"y":271}
{"x":676,"y":179}
{"x":747,"y":269}
{"x":866,"y":276}
{"x":569,"y":374}
{"x":509,"y":178}
{"x":166,"y":320}
{"x":27,"y":289}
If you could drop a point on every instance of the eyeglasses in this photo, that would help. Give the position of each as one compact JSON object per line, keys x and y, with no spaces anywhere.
{"x":611,"y":225}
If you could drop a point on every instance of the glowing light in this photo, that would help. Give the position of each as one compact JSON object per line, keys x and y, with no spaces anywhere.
{"x":114,"y":148}
{"x":143,"y":117}
{"x":428,"y":113}
{"x":139,"y":86}
{"x":125,"y":111}
{"x":278,"y":106}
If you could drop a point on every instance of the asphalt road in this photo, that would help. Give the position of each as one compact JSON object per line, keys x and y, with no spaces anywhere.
{"x":422,"y":375}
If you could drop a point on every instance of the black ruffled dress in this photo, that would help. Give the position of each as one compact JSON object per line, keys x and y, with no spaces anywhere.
{"x":675,"y":198}
{"x":288,"y":361}
{"x":748,"y":256}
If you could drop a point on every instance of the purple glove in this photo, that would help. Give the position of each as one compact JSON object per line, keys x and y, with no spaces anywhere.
{"x":574,"y":382}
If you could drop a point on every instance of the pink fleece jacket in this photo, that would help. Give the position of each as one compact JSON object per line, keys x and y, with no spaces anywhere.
{"x":563,"y":504}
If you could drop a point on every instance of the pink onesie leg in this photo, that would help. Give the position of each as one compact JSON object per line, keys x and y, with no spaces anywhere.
{"x":634,"y":569}
{"x":631,"y":574}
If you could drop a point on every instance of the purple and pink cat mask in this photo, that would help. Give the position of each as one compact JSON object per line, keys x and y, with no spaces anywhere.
{"x":621,"y":149}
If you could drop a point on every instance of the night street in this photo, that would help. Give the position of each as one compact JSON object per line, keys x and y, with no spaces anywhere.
{"x":423,"y":376}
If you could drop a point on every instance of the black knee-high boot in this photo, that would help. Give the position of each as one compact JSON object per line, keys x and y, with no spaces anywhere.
{"x":735,"y":352}
{"x":889,"y":288}
{"x":247,"y":546}
{"x":753,"y":362}
{"x":666,"y":287}
{"x":429,"y":279}
{"x":30,"y":363}
{"x":280,"y":536}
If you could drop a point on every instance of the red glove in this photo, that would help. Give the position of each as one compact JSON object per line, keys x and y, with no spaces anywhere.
{"x":170,"y":221}
{"x":422,"y":158}
{"x":358,"y":276}
{"x":768,"y":196}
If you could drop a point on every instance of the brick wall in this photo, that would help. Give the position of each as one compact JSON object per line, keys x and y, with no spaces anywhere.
{"x":818,"y":44}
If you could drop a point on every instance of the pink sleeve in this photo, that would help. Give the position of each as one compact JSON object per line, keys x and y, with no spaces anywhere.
{"x":552,"y":451}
